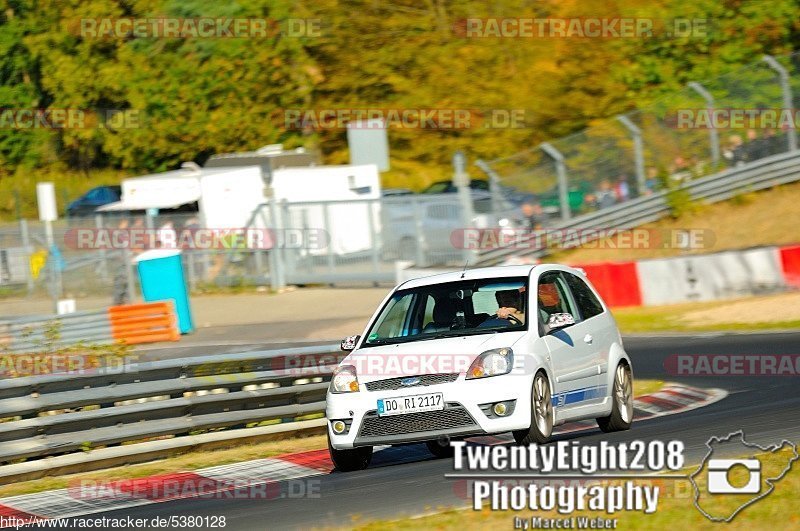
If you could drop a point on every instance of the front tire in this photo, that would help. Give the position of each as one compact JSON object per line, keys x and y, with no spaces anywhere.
{"x":621,"y":416}
{"x":541,"y":413}
{"x":440,"y":450}
{"x":350,"y":460}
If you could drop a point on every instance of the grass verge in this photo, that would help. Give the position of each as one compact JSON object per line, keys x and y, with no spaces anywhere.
{"x":672,"y":318}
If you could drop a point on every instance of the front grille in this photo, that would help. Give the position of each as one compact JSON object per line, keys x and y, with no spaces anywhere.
{"x":396,"y":383}
{"x":453,"y":417}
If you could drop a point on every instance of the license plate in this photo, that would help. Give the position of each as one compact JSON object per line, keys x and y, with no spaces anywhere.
{"x":410,"y":404}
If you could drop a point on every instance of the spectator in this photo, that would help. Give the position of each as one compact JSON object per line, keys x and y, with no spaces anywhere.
{"x":167,"y":237}
{"x":189,"y":229}
{"x":679,"y":170}
{"x":734,"y":151}
{"x":773,"y":144}
{"x":604,"y":198}
{"x":651,"y":183}
{"x":754,"y":148}
{"x":533,"y":216}
{"x":138,"y":240}
{"x":622,"y":191}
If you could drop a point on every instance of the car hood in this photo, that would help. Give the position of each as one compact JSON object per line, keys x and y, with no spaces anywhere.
{"x":432,"y":356}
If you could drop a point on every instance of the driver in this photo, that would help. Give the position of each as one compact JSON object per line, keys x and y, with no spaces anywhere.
{"x":511,"y":304}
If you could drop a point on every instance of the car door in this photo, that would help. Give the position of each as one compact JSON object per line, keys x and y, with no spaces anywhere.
{"x":597,"y":322}
{"x":572,"y":356}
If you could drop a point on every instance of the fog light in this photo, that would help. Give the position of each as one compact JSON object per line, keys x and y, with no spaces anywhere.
{"x":499,"y":409}
{"x":339,"y":427}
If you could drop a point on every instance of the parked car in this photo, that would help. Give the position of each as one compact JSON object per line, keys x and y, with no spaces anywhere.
{"x":86,"y":204}
{"x":448,"y":187}
{"x":515,"y":349}
{"x":510,"y":199}
{"x":393,"y":192}
{"x":426,"y":230}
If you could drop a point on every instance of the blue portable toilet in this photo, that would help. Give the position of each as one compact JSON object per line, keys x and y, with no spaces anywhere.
{"x":161,"y":278}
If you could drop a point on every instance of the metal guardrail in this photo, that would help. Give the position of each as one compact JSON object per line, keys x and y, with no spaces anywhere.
{"x":763,"y":173}
{"x":30,"y":334}
{"x":61,"y":413}
{"x":129,"y":324}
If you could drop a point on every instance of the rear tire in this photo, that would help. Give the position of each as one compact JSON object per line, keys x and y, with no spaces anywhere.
{"x":541,"y":413}
{"x":621,"y":416}
{"x":439,"y":450}
{"x":350,"y":460}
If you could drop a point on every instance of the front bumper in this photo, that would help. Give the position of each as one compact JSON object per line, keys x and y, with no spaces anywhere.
{"x":462,"y":415}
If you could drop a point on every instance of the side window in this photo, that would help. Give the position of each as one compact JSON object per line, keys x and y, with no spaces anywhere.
{"x":586,"y":300}
{"x":95,"y":194}
{"x":427,"y":319}
{"x":552,"y":296}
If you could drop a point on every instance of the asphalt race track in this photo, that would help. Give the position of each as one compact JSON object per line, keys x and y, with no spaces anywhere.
{"x":408,"y":481}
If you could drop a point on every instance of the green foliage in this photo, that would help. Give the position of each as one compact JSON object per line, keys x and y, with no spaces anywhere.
{"x":680,"y":202}
{"x":195,"y":97}
{"x":744,"y":197}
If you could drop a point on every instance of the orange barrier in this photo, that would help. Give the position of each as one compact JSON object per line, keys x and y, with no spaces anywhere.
{"x":144,"y":323}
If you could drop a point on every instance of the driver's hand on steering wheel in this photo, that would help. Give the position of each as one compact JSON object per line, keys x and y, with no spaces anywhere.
{"x":504,"y":312}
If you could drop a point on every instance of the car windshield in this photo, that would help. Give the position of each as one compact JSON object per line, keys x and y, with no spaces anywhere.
{"x":460,"y":308}
{"x":440,"y":187}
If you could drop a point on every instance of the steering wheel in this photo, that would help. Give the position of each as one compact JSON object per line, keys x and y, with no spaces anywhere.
{"x":510,"y":318}
{"x":514,"y":318}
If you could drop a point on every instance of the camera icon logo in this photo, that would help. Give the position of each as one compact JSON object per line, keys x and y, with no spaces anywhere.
{"x":719,"y":481}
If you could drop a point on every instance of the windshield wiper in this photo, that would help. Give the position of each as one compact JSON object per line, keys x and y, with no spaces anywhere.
{"x":440,"y":335}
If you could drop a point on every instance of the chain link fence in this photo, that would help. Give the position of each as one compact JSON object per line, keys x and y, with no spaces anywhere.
{"x":661,"y":146}
{"x":332,"y":242}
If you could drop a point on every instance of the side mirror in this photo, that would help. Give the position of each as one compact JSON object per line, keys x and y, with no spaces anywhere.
{"x":558,"y":321}
{"x":349,"y":343}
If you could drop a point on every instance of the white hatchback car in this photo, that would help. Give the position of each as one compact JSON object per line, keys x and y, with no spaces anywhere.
{"x":479,"y":352}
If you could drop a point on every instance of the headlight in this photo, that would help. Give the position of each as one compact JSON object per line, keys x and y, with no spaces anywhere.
{"x":344,"y":380}
{"x":491,"y":363}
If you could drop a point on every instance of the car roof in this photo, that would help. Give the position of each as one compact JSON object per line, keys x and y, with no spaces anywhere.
{"x":481,"y":273}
